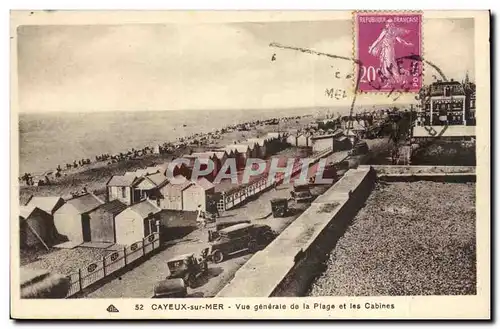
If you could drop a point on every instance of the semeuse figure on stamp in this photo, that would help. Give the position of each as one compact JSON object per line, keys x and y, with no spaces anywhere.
{"x":384,"y":48}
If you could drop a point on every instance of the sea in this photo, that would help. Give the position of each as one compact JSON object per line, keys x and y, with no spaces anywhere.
{"x":56,"y":138}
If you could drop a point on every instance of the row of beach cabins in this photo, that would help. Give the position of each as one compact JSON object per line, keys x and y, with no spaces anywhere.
{"x":136,"y":201}
{"x":144,"y":201}
{"x":197,"y":139}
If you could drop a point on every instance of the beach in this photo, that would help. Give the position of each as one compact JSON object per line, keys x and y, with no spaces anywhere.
{"x":52,"y":139}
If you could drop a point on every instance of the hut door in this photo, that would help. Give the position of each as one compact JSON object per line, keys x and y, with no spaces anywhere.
{"x":86,"y":228}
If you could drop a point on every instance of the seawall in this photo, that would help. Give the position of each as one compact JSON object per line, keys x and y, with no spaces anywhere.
{"x":288,"y":265}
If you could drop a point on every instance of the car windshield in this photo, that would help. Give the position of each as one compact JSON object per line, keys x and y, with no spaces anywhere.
{"x":176,"y":264}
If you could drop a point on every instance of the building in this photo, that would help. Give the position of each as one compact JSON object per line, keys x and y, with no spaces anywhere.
{"x":122,"y":188}
{"x":292,"y":139}
{"x":148,"y":187}
{"x":445,"y":105}
{"x":322,"y":142}
{"x":275,"y":142}
{"x":204,"y":159}
{"x":36,"y":228}
{"x":172,"y":194}
{"x":303,"y":140}
{"x":242,"y":153}
{"x":49,"y":204}
{"x":261,"y":144}
{"x":136,"y":222}
{"x":175,"y":224}
{"x":102,"y":222}
{"x":197,"y":193}
{"x":72,"y":219}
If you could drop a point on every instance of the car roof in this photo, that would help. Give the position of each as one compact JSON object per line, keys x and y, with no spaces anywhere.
{"x":169,"y":285}
{"x":236,"y":227}
{"x":181,"y":257}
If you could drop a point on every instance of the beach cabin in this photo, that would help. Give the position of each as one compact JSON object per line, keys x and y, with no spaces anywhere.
{"x":122,"y":188}
{"x":292,"y":139}
{"x":136,"y":222}
{"x":204,"y":158}
{"x":172,"y":193}
{"x":260,"y":145}
{"x":197,"y":194}
{"x":102,"y":221}
{"x":242,"y":153}
{"x":36,"y":228}
{"x":322,"y":142}
{"x":303,"y":140}
{"x":49,"y":204}
{"x":148,"y":187}
{"x":72,"y":219}
{"x":254,"y":148}
{"x":171,"y":170}
{"x":175,"y":224}
{"x":275,"y":142}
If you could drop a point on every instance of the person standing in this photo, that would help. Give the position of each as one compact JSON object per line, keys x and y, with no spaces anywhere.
{"x":200,"y":219}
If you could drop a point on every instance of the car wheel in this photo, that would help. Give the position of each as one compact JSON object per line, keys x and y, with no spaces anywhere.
{"x":253,"y":246}
{"x":191,"y":281}
{"x":217,"y":256}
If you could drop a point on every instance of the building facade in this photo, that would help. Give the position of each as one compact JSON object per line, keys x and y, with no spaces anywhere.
{"x":448,"y":103}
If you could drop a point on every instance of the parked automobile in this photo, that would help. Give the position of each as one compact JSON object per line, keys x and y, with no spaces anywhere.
{"x":170,"y":288}
{"x":279,"y":207}
{"x":361,"y":147}
{"x":240,"y":237}
{"x":188,"y":268}
{"x":301,"y":193}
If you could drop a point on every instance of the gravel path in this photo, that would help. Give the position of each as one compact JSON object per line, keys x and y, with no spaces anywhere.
{"x":410,"y":239}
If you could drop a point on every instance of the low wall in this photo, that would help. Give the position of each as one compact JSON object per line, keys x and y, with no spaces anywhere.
{"x":288,"y":265}
{"x":444,"y":131}
{"x":456,"y":174}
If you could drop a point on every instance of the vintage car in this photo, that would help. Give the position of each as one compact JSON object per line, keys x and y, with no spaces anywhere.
{"x":188,"y":268}
{"x":238,"y":238}
{"x":360,"y":148}
{"x":301,"y":193}
{"x":170,"y":288}
{"x":279,"y":207}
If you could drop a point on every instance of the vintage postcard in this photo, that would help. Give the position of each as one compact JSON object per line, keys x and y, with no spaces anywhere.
{"x":250,"y":165}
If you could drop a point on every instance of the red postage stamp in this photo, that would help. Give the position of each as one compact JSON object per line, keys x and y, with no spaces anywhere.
{"x":389,"y":48}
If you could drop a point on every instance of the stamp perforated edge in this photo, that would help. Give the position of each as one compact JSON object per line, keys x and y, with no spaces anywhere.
{"x":355,"y":53}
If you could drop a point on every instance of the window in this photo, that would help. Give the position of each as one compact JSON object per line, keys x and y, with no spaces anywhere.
{"x":124,"y":192}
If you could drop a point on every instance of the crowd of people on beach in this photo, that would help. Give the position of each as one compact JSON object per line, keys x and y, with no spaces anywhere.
{"x":194,"y":140}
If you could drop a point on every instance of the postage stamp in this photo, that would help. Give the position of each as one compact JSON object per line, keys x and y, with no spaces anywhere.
{"x":388,"y":46}
{"x":198,"y":165}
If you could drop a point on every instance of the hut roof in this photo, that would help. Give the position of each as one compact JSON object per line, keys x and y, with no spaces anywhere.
{"x":85,"y":203}
{"x":113,"y":207}
{"x":273,"y":135}
{"x":241,"y":148}
{"x":46,"y":203}
{"x":260,"y":141}
{"x":157,"y":179}
{"x":26,"y":211}
{"x":180,"y":186}
{"x":125,"y":180}
{"x":145,"y":208}
{"x":204,"y":183}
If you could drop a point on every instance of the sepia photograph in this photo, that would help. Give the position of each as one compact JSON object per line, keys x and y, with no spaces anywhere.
{"x":201,"y":157}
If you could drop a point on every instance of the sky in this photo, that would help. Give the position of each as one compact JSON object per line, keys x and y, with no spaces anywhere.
{"x":205,"y":66}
